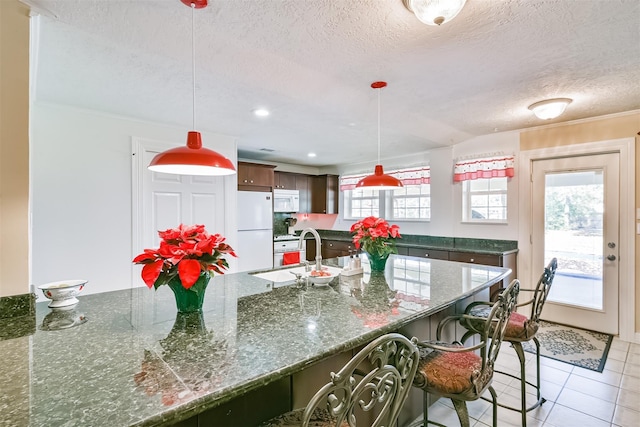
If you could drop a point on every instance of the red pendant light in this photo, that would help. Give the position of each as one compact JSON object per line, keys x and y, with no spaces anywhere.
{"x":193,"y":159}
{"x":379,"y":180}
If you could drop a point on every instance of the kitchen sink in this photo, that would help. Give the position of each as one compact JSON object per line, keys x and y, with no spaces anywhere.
{"x":288,"y":274}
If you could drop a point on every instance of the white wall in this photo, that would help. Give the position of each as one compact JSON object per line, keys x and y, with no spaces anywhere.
{"x":81,"y":193}
{"x":446,"y":196}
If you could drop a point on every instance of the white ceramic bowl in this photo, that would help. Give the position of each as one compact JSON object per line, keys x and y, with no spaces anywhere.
{"x":329,"y":275}
{"x":63,"y":293}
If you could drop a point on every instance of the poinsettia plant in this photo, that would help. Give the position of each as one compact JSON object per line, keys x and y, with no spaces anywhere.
{"x":375,"y":236}
{"x":186,"y":251}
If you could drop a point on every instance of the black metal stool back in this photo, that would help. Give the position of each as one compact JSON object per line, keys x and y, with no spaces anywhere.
{"x":375,"y":383}
{"x":458,"y":372}
{"x":521,"y":329}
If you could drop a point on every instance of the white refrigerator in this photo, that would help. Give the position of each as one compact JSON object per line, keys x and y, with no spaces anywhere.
{"x":255,"y":231}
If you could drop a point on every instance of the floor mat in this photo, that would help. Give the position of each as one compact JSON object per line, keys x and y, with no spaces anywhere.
{"x":575,"y":346}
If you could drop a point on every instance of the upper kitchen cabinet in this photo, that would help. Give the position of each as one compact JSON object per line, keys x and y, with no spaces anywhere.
{"x":284,"y":180}
{"x":303,"y":185}
{"x":324,"y":194}
{"x":255,"y":177}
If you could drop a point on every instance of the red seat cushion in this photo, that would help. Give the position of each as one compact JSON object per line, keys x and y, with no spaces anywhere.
{"x":519,"y":327}
{"x":449,"y":372}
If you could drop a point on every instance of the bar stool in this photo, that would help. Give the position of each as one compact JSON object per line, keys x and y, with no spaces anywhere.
{"x":375,"y":381}
{"x":521,"y":329}
{"x":458,"y":372}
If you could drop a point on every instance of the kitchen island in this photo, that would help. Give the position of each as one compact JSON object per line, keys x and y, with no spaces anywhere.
{"x":125,"y":358}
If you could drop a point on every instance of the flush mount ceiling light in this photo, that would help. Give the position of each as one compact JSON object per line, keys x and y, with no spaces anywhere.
{"x":550,"y":108}
{"x":379,"y":180}
{"x":434,"y":12}
{"x":192,"y":159}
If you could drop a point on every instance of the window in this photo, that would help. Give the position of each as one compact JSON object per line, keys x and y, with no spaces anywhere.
{"x":484,"y":200}
{"x":412,"y":202}
{"x":361,"y":203}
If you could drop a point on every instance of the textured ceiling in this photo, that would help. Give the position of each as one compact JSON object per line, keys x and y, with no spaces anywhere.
{"x":311,"y":64}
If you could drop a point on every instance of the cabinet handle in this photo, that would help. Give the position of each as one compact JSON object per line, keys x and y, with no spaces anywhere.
{"x":245,"y":180}
{"x":426,"y":255}
{"x":471,"y":260}
{"x":252,"y":181}
{"x":330,"y":244}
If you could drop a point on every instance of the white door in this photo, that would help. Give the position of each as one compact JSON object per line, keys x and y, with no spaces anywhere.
{"x":166,"y":200}
{"x":576,"y":219}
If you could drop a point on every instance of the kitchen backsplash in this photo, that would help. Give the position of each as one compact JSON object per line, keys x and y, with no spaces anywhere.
{"x":317,"y":221}
{"x":280,"y":227}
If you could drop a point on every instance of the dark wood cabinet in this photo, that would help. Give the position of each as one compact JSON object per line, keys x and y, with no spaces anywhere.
{"x":508,"y":260}
{"x":303,"y":185}
{"x":336,"y":248}
{"x":324,"y":194}
{"x":254,"y":176}
{"x":284,"y":180}
{"x":330,"y":248}
{"x":428,"y":253}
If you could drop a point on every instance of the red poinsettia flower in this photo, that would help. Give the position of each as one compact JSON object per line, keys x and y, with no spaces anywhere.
{"x":187,"y":252}
{"x":375,"y":235}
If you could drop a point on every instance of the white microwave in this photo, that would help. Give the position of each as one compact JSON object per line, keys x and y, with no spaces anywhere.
{"x":286,"y":201}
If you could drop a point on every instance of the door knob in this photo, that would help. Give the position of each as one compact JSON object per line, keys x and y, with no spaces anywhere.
{"x":611,"y":245}
{"x":611,"y":257}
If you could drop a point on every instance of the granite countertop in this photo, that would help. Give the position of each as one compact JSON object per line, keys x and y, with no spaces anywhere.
{"x":458,"y":244}
{"x":126,"y":358}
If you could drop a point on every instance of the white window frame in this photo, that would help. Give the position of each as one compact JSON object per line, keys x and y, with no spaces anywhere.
{"x":348,"y":200}
{"x":392,"y":197}
{"x":414,"y":176}
{"x":467,"y":209}
{"x":385,"y":206}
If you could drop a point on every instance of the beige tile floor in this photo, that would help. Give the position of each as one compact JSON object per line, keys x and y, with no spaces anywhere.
{"x":575,"y":396}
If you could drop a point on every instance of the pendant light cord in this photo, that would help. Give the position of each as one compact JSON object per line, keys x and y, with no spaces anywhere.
{"x":193,"y":62}
{"x":379,"y":125}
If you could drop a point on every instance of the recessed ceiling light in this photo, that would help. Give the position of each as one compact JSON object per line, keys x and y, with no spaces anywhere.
{"x":311,"y":155}
{"x":261,"y":112}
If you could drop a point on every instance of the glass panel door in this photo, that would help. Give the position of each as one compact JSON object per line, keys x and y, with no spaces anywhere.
{"x":575,"y":219}
{"x":574,"y":207}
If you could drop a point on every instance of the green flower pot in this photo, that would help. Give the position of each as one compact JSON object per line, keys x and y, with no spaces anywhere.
{"x":189,"y":300}
{"x":376,"y":261}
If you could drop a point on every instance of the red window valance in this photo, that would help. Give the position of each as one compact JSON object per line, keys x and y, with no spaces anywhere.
{"x":495,"y":167}
{"x":410,"y":176}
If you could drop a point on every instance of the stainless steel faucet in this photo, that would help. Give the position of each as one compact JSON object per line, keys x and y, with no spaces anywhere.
{"x":318,"y":246}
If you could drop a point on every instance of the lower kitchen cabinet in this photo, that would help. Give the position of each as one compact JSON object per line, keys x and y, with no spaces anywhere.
{"x":329,"y":248}
{"x":428,"y":253}
{"x":336,"y":248}
{"x":508,"y":260}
